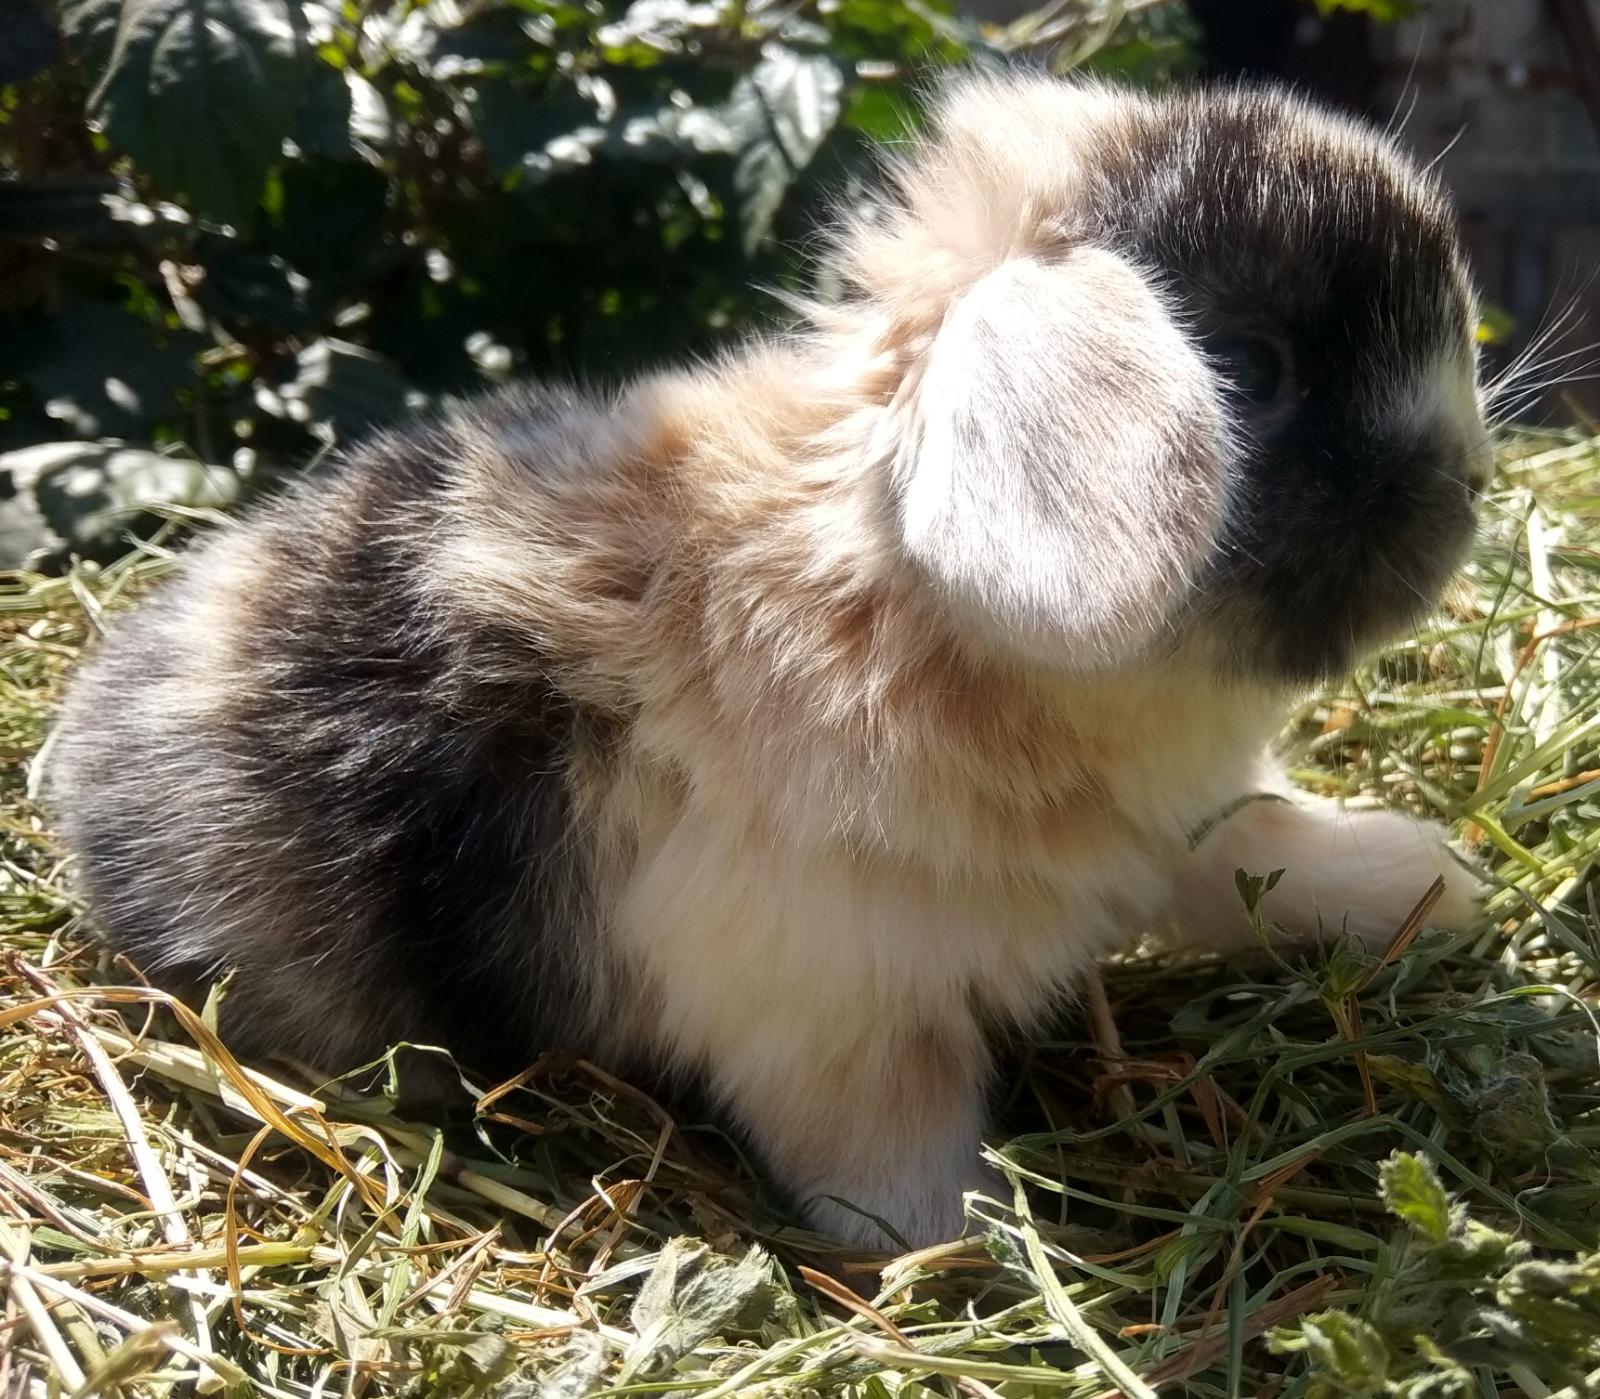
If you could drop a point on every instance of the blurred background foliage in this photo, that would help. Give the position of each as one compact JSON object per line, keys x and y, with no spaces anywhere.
{"x":235,"y":234}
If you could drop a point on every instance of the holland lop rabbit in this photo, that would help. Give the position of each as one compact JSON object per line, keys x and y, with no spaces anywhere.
{"x":789,"y":724}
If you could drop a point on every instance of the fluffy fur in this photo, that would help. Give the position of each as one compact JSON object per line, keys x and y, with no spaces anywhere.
{"x":791,"y":724}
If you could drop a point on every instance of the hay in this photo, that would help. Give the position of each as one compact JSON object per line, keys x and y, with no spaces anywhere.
{"x":1197,"y":1162}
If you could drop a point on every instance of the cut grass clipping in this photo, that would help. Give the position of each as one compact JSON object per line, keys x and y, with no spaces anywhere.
{"x":1313,"y":1175}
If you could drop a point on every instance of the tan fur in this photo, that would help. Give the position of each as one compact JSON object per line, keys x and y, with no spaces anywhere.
{"x":826,"y":790}
{"x":851,"y":800}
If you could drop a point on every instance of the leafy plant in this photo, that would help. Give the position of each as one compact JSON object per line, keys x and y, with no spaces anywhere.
{"x":1460,"y":1296}
{"x":1378,"y":9}
{"x":238,"y":232}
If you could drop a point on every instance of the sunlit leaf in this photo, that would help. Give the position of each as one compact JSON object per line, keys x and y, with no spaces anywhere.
{"x":201,"y":93}
{"x":1411,"y":1189}
{"x":784,"y":111}
{"x":103,"y":372}
{"x":84,"y":496}
{"x":338,"y":388}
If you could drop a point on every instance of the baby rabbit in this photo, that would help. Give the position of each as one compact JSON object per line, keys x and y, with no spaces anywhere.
{"x":789,"y":724}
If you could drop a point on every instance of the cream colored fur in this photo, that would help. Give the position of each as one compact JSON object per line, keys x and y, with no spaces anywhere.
{"x":906,"y":756}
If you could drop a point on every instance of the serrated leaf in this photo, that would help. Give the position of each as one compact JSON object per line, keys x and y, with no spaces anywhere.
{"x":661,"y":25}
{"x":1411,"y":1188}
{"x":785,"y":110}
{"x":201,"y":93}
{"x":340,"y":388}
{"x":103,"y":372}
{"x":690,"y":1296}
{"x":88,"y":493}
{"x":1349,"y":1350}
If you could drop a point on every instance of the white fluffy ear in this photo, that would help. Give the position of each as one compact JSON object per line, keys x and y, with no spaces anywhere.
{"x":1069,"y":470}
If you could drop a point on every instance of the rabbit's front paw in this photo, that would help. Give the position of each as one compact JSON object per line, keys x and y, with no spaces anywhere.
{"x":1355,"y":872}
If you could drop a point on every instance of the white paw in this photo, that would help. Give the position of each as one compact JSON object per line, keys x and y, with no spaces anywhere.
{"x":1360,"y":872}
{"x":1461,"y":903}
{"x":1378,"y":866}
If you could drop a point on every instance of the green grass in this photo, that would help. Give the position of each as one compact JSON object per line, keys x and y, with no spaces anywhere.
{"x":1203,"y":1212}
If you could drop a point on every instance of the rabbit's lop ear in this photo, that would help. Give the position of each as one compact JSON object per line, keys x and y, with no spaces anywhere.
{"x":1068,"y":473}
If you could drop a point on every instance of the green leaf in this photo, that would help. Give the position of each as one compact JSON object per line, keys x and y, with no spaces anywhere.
{"x":534,"y":138}
{"x":88,"y":494}
{"x":1253,"y":888}
{"x":253,"y":293}
{"x":330,"y":224}
{"x":785,"y":108}
{"x":1415,"y":1080}
{"x":102,"y":372}
{"x":201,"y":93}
{"x":1348,"y":1353}
{"x":338,"y":388}
{"x":90,"y":210}
{"x":1386,"y":10}
{"x":1445,"y":1377}
{"x":690,"y":1296}
{"x":1410,"y":1187}
{"x":539,"y":139}
{"x":476,"y":1368}
{"x":1559,"y":1306}
{"x":658,"y":27}
{"x":322,"y":125}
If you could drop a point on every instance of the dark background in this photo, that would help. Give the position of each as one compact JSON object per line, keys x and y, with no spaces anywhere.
{"x":220,"y":261}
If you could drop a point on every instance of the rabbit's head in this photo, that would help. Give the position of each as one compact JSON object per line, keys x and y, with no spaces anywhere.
{"x":1186,"y":371}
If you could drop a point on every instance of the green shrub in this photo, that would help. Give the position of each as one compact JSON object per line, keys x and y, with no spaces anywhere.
{"x":238,"y":232}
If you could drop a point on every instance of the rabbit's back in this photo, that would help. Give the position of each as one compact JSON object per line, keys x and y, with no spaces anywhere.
{"x":301,"y":764}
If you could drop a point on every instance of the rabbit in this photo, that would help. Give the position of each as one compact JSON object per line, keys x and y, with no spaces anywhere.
{"x":792,"y":724}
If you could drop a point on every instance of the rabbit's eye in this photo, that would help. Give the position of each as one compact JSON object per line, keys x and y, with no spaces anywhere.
{"x":1255,"y":368}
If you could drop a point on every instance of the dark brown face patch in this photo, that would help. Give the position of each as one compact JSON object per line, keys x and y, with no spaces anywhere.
{"x":1266,"y":222}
